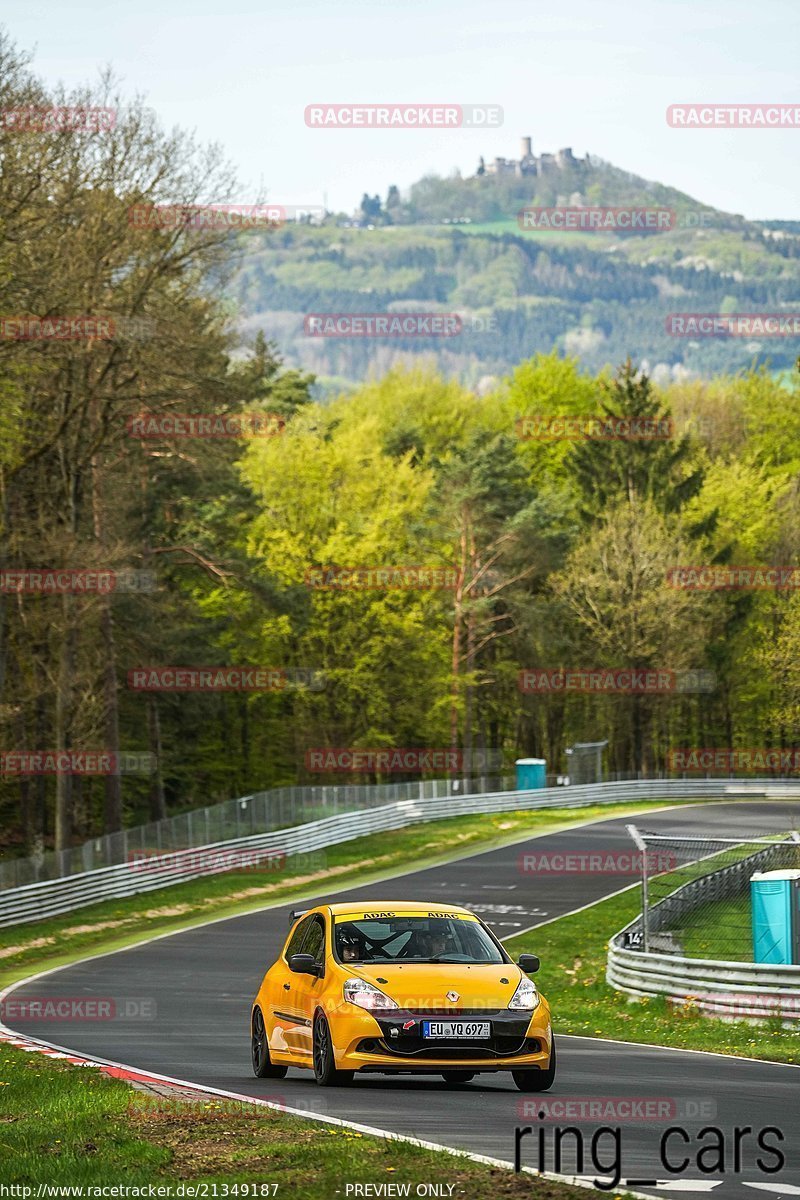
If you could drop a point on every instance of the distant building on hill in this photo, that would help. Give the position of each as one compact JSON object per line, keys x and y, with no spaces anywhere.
{"x":528,"y":163}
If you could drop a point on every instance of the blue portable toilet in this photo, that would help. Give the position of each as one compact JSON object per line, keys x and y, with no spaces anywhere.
{"x":776,"y":920}
{"x":531,"y":773}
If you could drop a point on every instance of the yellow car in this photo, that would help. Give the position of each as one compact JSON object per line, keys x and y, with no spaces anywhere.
{"x":400,"y":988}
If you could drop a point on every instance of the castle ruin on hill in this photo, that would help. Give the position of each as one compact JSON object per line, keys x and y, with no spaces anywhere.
{"x":528,"y":163}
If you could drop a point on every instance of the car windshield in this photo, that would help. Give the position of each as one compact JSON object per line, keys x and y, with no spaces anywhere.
{"x":414,"y":939}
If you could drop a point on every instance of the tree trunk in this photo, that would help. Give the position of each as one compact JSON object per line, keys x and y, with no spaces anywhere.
{"x":63,"y":724}
{"x":3,"y":564}
{"x":158,"y":808}
{"x":112,"y":808}
{"x":455,"y":661}
{"x":112,"y":811}
{"x":40,"y":726}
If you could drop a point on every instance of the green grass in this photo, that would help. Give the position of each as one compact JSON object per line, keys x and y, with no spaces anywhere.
{"x":721,"y":929}
{"x":113,"y":924}
{"x":68,"y":1125}
{"x":573,"y":237}
{"x":573,"y":952}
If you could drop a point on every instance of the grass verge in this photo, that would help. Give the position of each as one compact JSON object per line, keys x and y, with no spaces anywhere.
{"x":721,"y":929}
{"x":109,"y":1134}
{"x":114,"y":924}
{"x":573,"y":953}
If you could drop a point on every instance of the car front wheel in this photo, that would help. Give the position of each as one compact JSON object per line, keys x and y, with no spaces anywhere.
{"x":325,"y":1071}
{"x":263,"y":1066}
{"x":537,"y":1080}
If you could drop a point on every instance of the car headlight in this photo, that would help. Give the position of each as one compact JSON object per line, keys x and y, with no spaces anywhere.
{"x":366,"y":995}
{"x":525,"y":998}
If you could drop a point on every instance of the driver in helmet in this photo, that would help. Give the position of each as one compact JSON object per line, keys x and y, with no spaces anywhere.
{"x":436,"y":941}
{"x":352,"y":947}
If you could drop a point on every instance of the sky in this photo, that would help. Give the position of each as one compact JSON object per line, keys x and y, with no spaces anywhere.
{"x":596,"y":75}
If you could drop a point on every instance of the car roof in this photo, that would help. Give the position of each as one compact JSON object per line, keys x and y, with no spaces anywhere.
{"x":395,"y":906}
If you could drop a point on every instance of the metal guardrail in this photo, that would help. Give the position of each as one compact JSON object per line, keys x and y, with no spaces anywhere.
{"x":52,"y":897}
{"x":732,"y":989}
{"x":716,"y":987}
{"x":258,"y":813}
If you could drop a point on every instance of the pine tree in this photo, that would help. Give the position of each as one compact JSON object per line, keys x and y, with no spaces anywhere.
{"x":635,"y":467}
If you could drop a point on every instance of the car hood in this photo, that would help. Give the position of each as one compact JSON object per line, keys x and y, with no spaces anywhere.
{"x":425,"y":985}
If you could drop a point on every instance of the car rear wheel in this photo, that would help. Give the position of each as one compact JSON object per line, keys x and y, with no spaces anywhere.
{"x":325,"y":1071}
{"x":263,"y":1066}
{"x":537,"y":1080}
{"x":457,"y":1076}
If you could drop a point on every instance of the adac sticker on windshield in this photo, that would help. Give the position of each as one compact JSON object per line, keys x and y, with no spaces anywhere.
{"x":381,"y":915}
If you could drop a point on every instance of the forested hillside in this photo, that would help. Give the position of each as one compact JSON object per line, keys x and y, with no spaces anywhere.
{"x":456,"y":245}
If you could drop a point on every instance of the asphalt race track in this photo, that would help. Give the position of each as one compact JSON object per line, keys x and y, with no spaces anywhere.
{"x":203,"y":981}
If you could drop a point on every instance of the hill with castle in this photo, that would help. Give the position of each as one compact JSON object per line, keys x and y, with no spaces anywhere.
{"x":455,"y":245}
{"x":501,"y":186}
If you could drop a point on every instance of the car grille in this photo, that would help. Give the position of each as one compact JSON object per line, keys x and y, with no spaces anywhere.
{"x":452,"y":1010}
{"x":507,"y":1038}
{"x":421,"y":1048}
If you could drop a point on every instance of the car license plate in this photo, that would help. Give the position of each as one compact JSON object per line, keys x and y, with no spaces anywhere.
{"x":456,"y":1029}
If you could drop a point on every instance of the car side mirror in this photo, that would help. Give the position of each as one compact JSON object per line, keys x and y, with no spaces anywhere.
{"x":303,"y":964}
{"x":529,"y":963}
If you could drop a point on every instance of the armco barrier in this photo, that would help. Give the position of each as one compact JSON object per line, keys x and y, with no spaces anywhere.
{"x":733,"y":989}
{"x":37,"y":900}
{"x":261,"y":812}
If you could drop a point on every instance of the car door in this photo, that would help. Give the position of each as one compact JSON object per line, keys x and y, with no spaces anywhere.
{"x":307,"y":989}
{"x":283,"y":999}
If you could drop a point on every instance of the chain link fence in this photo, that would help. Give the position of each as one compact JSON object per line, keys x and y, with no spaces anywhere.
{"x":696,"y":892}
{"x":278,"y":808}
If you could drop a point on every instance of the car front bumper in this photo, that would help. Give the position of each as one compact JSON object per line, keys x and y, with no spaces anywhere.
{"x":393,"y":1041}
